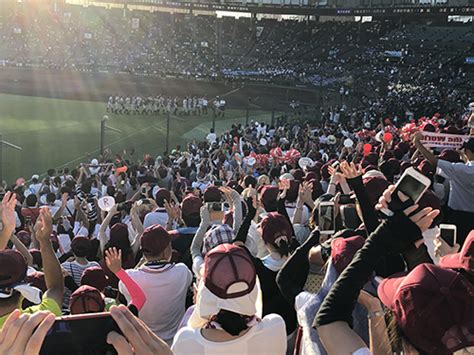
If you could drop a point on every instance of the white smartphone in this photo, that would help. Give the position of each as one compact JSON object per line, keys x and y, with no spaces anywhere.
{"x":412,"y":184}
{"x":326,"y":218}
{"x":448,"y":232}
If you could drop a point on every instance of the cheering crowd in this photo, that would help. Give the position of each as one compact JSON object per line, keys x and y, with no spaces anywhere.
{"x":261,"y":240}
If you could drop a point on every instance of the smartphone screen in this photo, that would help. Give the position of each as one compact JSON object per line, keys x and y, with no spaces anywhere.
{"x":326,"y":218}
{"x":411,"y":187}
{"x":448,"y":235}
{"x":218,"y":183}
{"x":80,"y":334}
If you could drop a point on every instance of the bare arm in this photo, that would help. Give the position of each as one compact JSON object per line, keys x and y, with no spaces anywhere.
{"x":52,"y":270}
{"x":103,"y":227}
{"x":424,"y":151}
{"x":22,"y":249}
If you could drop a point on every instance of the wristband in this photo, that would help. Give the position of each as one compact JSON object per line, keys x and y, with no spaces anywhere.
{"x":375,"y":314}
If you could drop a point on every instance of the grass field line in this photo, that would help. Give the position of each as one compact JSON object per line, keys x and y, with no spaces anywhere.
{"x":154,"y":125}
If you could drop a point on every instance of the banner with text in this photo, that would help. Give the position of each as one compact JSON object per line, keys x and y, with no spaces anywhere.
{"x":442,"y":140}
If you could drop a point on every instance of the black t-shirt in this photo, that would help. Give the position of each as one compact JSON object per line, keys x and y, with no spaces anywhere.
{"x":273,"y":300}
{"x":181,"y":244}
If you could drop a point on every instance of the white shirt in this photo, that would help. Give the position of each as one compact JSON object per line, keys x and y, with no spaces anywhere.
{"x":268,"y":337}
{"x":211,"y":138}
{"x":165,"y":289}
{"x":157,"y":217}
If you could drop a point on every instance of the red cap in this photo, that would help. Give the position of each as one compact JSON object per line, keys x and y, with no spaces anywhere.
{"x":37,"y":280}
{"x":229,"y":272}
{"x":12,"y":267}
{"x":24,"y":237}
{"x":343,"y":251}
{"x":433,"y":307}
{"x":191,"y":205}
{"x":86,"y":299}
{"x":155,"y":240}
{"x":426,"y":168}
{"x":274,"y":226}
{"x":119,"y":232}
{"x":462,"y":260}
{"x":268,"y":195}
{"x":95,"y":276}
{"x":212,"y":194}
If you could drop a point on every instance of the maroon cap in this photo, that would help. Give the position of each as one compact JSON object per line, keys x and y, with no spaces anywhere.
{"x":404,"y":166}
{"x":119,"y":232}
{"x":375,"y":187}
{"x":155,"y":240}
{"x":212,"y":194}
{"x":310,"y":176}
{"x":343,"y":251}
{"x":161,"y":196}
{"x":324,"y":171}
{"x":462,"y":260}
{"x":191,"y":205}
{"x":317,"y":189}
{"x":24,"y":237}
{"x":268,"y":194}
{"x":12,"y":267}
{"x":450,"y":155}
{"x":433,"y":307}
{"x":229,"y":272}
{"x":81,"y":246}
{"x":298,"y":174}
{"x":274,"y":226}
{"x":86,"y":299}
{"x":95,"y":276}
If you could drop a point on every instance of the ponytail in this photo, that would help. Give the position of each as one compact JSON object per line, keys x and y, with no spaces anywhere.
{"x":282,"y":245}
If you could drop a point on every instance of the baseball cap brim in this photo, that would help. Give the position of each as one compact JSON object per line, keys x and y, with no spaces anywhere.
{"x":388,"y":288}
{"x":452,"y":261}
{"x":29,"y":292}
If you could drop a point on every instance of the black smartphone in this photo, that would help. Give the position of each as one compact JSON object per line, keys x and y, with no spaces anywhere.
{"x":218,"y":183}
{"x":28,"y":220}
{"x":80,"y":334}
{"x":125,"y":206}
{"x":448,"y":233}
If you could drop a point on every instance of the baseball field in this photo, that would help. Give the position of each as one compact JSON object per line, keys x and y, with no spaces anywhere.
{"x":55,"y":115}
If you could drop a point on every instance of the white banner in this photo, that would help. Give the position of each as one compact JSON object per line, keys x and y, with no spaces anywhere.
{"x":442,"y":140}
{"x":135,"y":23}
{"x":88,"y":35}
{"x":204,"y":44}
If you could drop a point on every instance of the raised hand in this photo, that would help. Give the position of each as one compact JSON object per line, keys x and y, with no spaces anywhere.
{"x":44,"y":226}
{"x":137,"y":338}
{"x":113,"y":259}
{"x":350,"y":171}
{"x":423,"y":219}
{"x":8,"y":213}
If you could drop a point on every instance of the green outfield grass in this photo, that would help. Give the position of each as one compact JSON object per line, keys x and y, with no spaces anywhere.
{"x":56,"y":132}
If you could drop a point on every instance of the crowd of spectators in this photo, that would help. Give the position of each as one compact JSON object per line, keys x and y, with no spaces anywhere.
{"x":223,"y":246}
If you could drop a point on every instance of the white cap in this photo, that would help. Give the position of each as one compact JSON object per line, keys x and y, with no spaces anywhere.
{"x":35,"y":177}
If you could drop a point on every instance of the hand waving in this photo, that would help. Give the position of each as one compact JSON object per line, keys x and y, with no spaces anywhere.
{"x":44,"y":226}
{"x":113,"y":259}
{"x":8,"y":212}
{"x":350,"y":171}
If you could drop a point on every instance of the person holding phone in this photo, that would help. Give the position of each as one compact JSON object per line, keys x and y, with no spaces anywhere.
{"x":461,"y":182}
{"x":13,"y":287}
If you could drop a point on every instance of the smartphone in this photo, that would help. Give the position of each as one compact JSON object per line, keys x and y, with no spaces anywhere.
{"x":413,"y":184}
{"x":28,"y":220}
{"x":448,"y":233}
{"x":335,"y":165}
{"x":218,"y":183}
{"x":124,"y":206}
{"x":326,"y":218}
{"x":80,"y":334}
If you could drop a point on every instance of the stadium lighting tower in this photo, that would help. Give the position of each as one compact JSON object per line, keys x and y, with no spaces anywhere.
{"x":8,"y":144}
{"x":103,"y":128}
